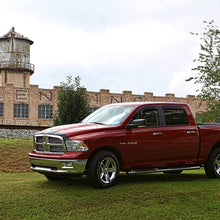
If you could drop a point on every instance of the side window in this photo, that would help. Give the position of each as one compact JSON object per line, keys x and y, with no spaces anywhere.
{"x":21,"y":110}
{"x":150,"y":115}
{"x":175,"y":116}
{"x":45,"y":111}
{"x":1,"y":109}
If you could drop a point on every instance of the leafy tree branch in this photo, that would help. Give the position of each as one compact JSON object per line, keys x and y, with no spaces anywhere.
{"x":207,"y":71}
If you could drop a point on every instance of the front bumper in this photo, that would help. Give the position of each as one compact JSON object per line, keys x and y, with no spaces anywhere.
{"x":43,"y":165}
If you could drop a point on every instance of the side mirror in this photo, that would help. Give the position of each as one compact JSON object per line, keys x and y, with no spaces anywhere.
{"x":136,"y":123}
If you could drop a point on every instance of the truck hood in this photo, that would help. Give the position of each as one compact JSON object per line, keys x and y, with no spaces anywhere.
{"x":72,"y":130}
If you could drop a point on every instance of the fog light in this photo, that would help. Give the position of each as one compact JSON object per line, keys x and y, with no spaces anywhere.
{"x":67,"y":165}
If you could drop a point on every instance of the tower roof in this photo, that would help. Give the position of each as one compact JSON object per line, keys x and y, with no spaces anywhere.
{"x":14,"y":34}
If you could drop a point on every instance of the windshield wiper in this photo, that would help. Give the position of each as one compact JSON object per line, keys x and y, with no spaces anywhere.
{"x":95,"y":122}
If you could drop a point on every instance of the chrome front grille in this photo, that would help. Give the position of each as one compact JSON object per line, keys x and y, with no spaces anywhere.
{"x":49,"y":144}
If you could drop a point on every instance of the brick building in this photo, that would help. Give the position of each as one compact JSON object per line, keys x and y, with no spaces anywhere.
{"x":24,"y":104}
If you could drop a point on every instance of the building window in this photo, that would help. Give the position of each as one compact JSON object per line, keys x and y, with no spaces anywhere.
{"x":21,"y":110}
{"x":1,"y":109}
{"x":45,"y":111}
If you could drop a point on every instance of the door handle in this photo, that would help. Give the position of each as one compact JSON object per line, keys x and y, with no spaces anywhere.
{"x":190,"y":132}
{"x":157,"y":134}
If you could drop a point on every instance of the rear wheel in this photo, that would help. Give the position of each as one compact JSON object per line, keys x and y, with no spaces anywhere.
{"x":103,"y":169}
{"x":212,"y":165}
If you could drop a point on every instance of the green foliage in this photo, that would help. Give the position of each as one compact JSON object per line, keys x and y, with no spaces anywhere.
{"x":207,"y":71}
{"x":212,"y":115}
{"x":73,"y":104}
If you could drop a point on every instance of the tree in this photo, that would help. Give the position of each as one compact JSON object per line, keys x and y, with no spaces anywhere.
{"x":73,"y":104}
{"x":208,"y":72}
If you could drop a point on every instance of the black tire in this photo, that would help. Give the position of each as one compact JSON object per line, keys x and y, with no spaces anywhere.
{"x":212,"y":165}
{"x":173,"y":172}
{"x":103,"y":169}
{"x":53,"y":177}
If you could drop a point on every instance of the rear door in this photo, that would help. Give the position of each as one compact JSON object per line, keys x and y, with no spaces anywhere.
{"x":167,"y":139}
{"x":181,"y":137}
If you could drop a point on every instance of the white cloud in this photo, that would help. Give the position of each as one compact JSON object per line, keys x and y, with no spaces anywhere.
{"x":125,"y":45}
{"x":179,"y":86}
{"x":120,"y":45}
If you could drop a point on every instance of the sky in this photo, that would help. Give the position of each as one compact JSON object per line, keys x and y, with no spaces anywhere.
{"x":120,"y":45}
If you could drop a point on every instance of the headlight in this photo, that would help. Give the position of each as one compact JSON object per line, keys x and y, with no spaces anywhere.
{"x":76,"y":146}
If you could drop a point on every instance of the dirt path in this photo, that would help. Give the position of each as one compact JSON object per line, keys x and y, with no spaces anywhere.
{"x":14,"y":159}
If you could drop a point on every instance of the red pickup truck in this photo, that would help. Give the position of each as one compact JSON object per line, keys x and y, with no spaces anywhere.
{"x":130,"y":137}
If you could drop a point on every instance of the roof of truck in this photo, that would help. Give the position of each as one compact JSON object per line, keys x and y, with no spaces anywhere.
{"x":149,"y":103}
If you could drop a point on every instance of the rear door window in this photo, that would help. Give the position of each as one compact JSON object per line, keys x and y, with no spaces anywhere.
{"x":175,"y":116}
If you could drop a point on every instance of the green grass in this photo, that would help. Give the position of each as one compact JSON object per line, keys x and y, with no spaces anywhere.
{"x":14,"y":143}
{"x":28,"y":195}
{"x":190,"y":195}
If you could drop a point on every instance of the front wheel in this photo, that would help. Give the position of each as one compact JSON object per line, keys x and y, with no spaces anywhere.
{"x":212,"y":165}
{"x":103,"y":169}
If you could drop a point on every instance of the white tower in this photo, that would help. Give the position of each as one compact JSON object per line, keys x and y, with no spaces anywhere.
{"x":15,"y":66}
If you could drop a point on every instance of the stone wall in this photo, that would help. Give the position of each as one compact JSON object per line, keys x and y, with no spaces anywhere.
{"x":17,"y":133}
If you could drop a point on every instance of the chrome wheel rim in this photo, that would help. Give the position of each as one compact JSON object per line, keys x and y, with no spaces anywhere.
{"x":107,"y":170}
{"x":217,"y":164}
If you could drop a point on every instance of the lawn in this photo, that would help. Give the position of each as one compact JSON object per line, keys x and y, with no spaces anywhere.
{"x":28,"y":195}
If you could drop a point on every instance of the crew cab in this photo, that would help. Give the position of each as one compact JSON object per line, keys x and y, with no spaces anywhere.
{"x":129,"y":137}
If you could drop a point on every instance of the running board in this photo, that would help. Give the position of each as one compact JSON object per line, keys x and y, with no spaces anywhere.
{"x":163,"y":170}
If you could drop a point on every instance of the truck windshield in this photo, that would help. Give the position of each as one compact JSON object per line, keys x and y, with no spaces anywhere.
{"x":109,"y":115}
